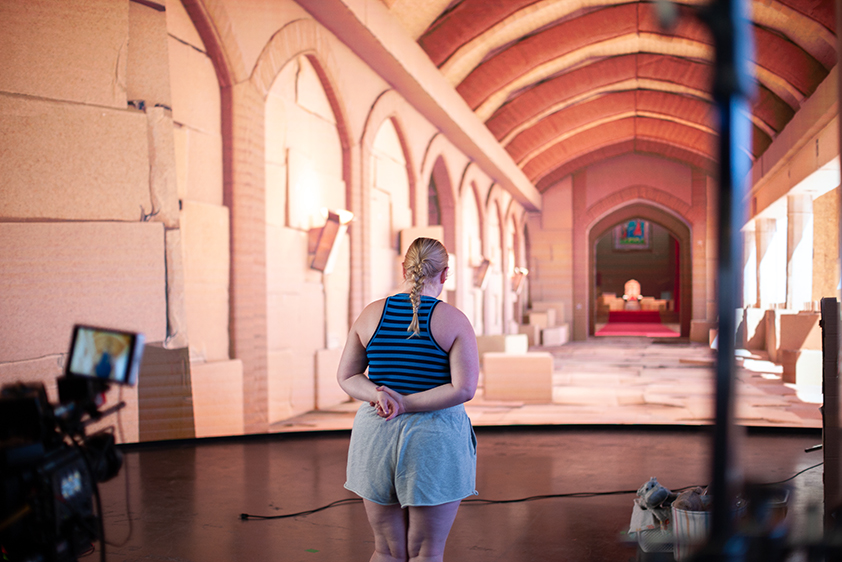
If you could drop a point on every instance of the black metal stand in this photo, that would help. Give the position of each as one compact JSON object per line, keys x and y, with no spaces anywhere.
{"x":733,"y":86}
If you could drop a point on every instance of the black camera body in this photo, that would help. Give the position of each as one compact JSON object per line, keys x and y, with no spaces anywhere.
{"x":49,"y":467}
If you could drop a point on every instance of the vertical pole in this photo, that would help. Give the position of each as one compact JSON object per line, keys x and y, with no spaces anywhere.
{"x":733,"y":84}
{"x":832,"y":451}
{"x":830,"y":411}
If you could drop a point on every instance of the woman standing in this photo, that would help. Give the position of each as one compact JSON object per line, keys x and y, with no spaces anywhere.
{"x":412,"y":456}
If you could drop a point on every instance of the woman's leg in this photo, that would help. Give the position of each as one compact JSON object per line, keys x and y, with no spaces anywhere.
{"x":389,"y":523}
{"x":428,"y":530}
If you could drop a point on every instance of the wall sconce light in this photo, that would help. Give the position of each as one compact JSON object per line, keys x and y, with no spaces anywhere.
{"x":481,"y":274}
{"x":518,"y":278}
{"x":324,"y":241}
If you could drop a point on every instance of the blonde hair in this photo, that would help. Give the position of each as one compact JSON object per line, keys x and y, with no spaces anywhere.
{"x":425,"y":259}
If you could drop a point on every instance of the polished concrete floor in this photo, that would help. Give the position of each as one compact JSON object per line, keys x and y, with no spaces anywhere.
{"x":623,"y":410}
{"x":181,"y":502}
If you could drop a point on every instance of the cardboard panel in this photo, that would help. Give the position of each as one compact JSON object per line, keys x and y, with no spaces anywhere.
{"x":218,"y":398}
{"x":195,"y":88}
{"x":162,"y":168}
{"x":523,"y":377}
{"x":54,"y":275}
{"x":75,"y":162}
{"x":147,"y":68}
{"x":165,"y":396}
{"x":557,"y":335}
{"x":203,"y":166}
{"x":50,"y":50}
{"x":179,"y":25}
{"x":558,"y":306}
{"x":205,"y":241}
{"x":297,"y":320}
{"x":511,"y":343}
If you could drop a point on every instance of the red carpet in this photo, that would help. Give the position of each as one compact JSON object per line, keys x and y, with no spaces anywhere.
{"x":646,"y":323}
{"x":634,"y":316}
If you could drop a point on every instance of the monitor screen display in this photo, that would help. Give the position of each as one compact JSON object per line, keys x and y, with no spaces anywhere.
{"x":103,"y":353}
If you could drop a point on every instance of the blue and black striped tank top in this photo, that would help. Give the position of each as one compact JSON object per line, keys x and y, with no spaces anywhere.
{"x":403,"y":363}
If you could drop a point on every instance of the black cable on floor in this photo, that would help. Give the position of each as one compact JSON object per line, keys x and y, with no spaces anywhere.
{"x":347,"y":501}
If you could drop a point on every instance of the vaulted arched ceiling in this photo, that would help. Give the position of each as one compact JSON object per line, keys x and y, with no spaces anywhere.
{"x":563,"y":84}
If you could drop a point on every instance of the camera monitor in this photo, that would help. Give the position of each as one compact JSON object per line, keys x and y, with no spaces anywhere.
{"x":102,"y":353}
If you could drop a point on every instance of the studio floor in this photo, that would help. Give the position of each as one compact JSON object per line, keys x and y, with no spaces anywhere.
{"x":181,"y":502}
{"x":623,"y":410}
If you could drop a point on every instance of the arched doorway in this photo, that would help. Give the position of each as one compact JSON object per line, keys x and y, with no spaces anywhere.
{"x":643,"y":255}
{"x":674,"y":227}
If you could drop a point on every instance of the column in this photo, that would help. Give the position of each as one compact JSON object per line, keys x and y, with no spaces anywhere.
{"x":749,"y":269}
{"x":771,"y":277}
{"x":799,"y":251}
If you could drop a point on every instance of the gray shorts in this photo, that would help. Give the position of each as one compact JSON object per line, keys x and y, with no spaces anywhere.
{"x":415,"y":459}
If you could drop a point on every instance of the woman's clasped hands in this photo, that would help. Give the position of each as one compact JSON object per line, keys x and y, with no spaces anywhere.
{"x":389,"y":404}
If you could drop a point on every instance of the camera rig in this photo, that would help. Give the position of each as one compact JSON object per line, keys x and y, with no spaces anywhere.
{"x":49,"y":466}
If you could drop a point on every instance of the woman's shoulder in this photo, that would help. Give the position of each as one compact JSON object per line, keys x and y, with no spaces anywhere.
{"x":450,"y":319}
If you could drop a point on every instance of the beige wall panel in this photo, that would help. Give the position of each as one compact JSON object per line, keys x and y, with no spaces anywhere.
{"x":67,"y":161}
{"x":198,"y":158}
{"x":383,"y":249}
{"x":195,"y":88}
{"x":205,"y":242}
{"x":74,"y":50}
{"x":180,"y":148}
{"x":43,"y":369}
{"x":296,"y":320}
{"x":315,"y":137}
{"x":280,"y":385}
{"x":276,"y":195}
{"x":204,"y":167}
{"x":337,"y":297}
{"x":286,"y":259}
{"x":328,"y":391}
{"x":54,"y":275}
{"x":147,"y":67}
{"x":176,"y":311}
{"x":391,"y":176}
{"x":292,"y":383}
{"x":162,"y":167}
{"x":180,"y":26}
{"x":217,"y":398}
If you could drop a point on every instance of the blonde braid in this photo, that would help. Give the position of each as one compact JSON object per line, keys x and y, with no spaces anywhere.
{"x":415,"y":297}
{"x":425,"y":258}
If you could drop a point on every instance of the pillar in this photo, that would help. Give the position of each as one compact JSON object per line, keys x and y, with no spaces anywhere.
{"x":750,"y":293}
{"x":799,"y":251}
{"x":769,"y":274}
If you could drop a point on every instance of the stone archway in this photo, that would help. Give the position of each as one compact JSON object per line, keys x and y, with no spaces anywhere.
{"x":675,"y":226}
